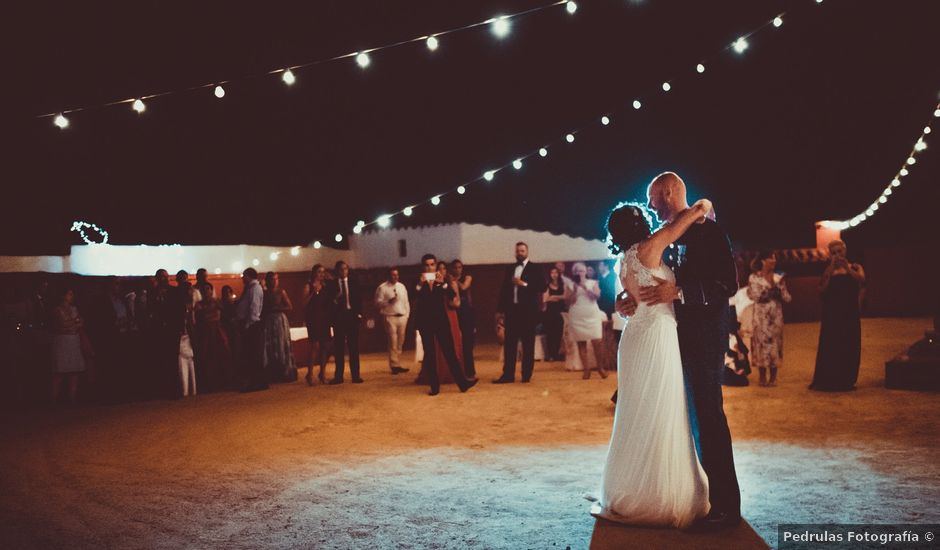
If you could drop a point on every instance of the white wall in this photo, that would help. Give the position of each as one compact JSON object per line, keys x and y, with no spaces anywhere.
{"x":380,"y":248}
{"x":487,"y":244}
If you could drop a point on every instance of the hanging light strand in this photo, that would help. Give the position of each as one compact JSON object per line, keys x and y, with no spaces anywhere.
{"x":288,"y":73}
{"x":920,"y":145}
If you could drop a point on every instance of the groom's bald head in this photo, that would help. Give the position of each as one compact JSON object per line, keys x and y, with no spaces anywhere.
{"x":667,"y":195}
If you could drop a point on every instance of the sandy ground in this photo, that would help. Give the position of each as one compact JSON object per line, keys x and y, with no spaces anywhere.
{"x":382,"y":465}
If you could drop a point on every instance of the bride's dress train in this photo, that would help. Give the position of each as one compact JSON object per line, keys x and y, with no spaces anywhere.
{"x":652,"y":475}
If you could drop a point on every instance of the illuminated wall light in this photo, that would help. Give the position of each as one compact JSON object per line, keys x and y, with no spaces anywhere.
{"x":273,"y":256}
{"x":571,"y":7}
{"x":317,"y":244}
{"x":517,"y":164}
{"x":605,"y":120}
{"x":288,"y":77}
{"x":637,"y":104}
{"x":338,"y":238}
{"x":363,"y":60}
{"x":408,"y":211}
{"x":295,"y":251}
{"x":778,"y":21}
{"x":488,"y":175}
{"x":436,"y":200}
{"x":219,"y":92}
{"x":543,"y":152}
{"x":139,"y":106}
{"x":666,"y":86}
{"x":700,"y":68}
{"x":432,"y":43}
{"x":569,"y":138}
{"x":500,"y":26}
{"x":255,"y":262}
{"x":461,"y":190}
{"x":61,"y":121}
{"x":740,"y":45}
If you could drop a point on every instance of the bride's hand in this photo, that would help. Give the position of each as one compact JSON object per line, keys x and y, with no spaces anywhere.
{"x":705,"y":207}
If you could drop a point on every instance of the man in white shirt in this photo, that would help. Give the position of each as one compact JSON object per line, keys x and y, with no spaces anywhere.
{"x":248,"y":321}
{"x":391,"y":299}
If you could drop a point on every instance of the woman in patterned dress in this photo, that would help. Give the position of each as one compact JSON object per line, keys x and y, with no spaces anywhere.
{"x":769,"y":291}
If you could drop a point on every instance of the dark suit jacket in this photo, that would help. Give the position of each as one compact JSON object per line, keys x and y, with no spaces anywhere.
{"x":431,"y":305}
{"x":339,"y":301}
{"x":529,"y":296}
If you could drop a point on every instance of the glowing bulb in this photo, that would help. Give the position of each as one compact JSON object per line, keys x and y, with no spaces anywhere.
{"x":936,"y":113}
{"x":740,"y":45}
{"x":385,"y":220}
{"x":895,"y":182}
{"x":61,"y":121}
{"x":361,"y":223}
{"x":517,"y":164}
{"x":926,"y":130}
{"x":569,"y":138}
{"x":862,"y":217}
{"x":357,"y":230}
{"x":666,"y":86}
{"x":819,"y":1}
{"x":408,"y":211}
{"x":317,"y":244}
{"x":778,"y":21}
{"x":605,"y":120}
{"x":488,"y":175}
{"x":854,"y":222}
{"x":700,"y":68}
{"x":461,"y":190}
{"x":637,"y":104}
{"x":543,"y":152}
{"x":911,"y":161}
{"x":273,"y":256}
{"x":500,"y":26}
{"x":571,"y":7}
{"x":295,"y":251}
{"x":219,"y":92}
{"x":338,"y":238}
{"x":432,"y":43}
{"x":888,"y":191}
{"x":436,"y":200}
{"x":217,"y":271}
{"x":363,"y":60}
{"x":883,"y":199}
{"x":920,"y":145}
{"x":288,"y":77}
{"x":870,"y":212}
{"x":139,"y":106}
{"x":904,"y":172}
{"x":255,"y":262}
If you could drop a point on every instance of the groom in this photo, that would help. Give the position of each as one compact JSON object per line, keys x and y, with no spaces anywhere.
{"x":705,"y":278}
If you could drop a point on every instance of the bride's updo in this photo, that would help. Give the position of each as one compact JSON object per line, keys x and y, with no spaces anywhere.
{"x":628,"y":224}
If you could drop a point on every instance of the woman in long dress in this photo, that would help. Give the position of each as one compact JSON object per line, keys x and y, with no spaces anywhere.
{"x":68,"y":362}
{"x":840,"y":336}
{"x":585,"y":318}
{"x":278,"y":357}
{"x":769,"y":291}
{"x":652,"y":475}
{"x":552,"y":321}
{"x":451,"y":307}
{"x":213,"y":355}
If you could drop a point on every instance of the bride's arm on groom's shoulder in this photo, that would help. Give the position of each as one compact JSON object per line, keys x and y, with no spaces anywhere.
{"x":650,"y":251}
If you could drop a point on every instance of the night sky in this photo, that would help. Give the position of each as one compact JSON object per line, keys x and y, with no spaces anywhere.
{"x":810,"y":123}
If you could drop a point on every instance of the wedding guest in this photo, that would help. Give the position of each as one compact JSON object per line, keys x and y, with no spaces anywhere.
{"x":68,"y":362}
{"x":451,"y":305}
{"x":585,"y":319}
{"x":552,"y":321}
{"x":164,"y":329}
{"x":278,"y":357}
{"x":202,"y":281}
{"x":212,"y":343}
{"x":391,"y":299}
{"x":434,"y":326}
{"x":251,"y":335}
{"x":590,"y":272}
{"x":347,"y":312}
{"x":563,"y":271}
{"x":521,"y":290}
{"x":769,"y":291}
{"x":114,"y":340}
{"x":840,"y":335}
{"x":466,"y":315}
{"x":608,"y":284}
{"x":318,"y":315}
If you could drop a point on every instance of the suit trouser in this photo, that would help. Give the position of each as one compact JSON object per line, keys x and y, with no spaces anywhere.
{"x":442,"y":336}
{"x":466,"y":317}
{"x":395,"y":330}
{"x":520,"y":327}
{"x":252,"y":351}
{"x":346,"y":331}
{"x":702,"y":361}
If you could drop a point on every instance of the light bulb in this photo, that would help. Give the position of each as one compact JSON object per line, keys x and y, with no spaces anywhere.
{"x":139,"y":106}
{"x":605,"y":120}
{"x":488,"y":175}
{"x":295,"y":251}
{"x":740,"y":45}
{"x":637,"y":104}
{"x":666,"y":86}
{"x":571,"y":7}
{"x":700,"y":68}
{"x":543,"y":152}
{"x":338,"y":238}
{"x":317,"y":244}
{"x":517,"y":164}
{"x":436,"y":200}
{"x":384,"y":220}
{"x":569,"y":138}
{"x":408,"y":211}
{"x":778,"y":21}
{"x":219,"y":92}
{"x":432,"y":43}
{"x":288,"y":77}
{"x":363,"y":60}
{"x":461,"y":190}
{"x":500,"y":26}
{"x":61,"y":121}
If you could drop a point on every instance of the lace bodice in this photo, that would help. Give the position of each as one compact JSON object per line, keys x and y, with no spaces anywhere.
{"x":633,"y":275}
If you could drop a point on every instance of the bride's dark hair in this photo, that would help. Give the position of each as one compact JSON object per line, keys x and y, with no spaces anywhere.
{"x":628,"y":224}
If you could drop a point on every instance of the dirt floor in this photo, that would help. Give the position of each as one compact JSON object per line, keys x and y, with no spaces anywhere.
{"x":382,"y":465}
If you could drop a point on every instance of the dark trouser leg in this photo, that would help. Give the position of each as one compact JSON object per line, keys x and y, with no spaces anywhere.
{"x":510,"y":347}
{"x":703,"y":372}
{"x":429,"y":363}
{"x":339,"y":349}
{"x":553,"y":328}
{"x":446,"y":345}
{"x":467,"y":329}
{"x":527,"y":335}
{"x":352,"y":336}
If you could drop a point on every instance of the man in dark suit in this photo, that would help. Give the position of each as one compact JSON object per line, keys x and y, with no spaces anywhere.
{"x":432,"y":323}
{"x":519,"y":301}
{"x":706,"y":277}
{"x":347,"y":311}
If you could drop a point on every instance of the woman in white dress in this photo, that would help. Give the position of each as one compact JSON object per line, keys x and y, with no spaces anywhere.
{"x":652,"y":475}
{"x":585,"y":318}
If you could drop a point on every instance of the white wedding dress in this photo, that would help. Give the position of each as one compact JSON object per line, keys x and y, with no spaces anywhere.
{"x":652,"y":475}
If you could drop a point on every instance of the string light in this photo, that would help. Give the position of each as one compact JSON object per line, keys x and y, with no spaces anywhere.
{"x":569,"y":138}
{"x":80,"y":227}
{"x":363,"y":59}
{"x":139,"y":106}
{"x":256,"y":262}
{"x":295,"y":251}
{"x":338,"y":238}
{"x":666,"y":86}
{"x":408,"y":211}
{"x":517,"y":164}
{"x":605,"y":120}
{"x":778,"y":21}
{"x":919,"y":146}
{"x":461,"y":190}
{"x":61,"y":121}
{"x":500,"y":26}
{"x":543,"y":152}
{"x":317,"y":244}
{"x":357,"y":230}
{"x":637,"y":104}
{"x":436,"y":200}
{"x":288,"y":77}
{"x":274,"y":256}
{"x":571,"y":7}
{"x":219,"y":92}
{"x":740,"y":45}
{"x":384,"y":220}
{"x":432,"y":43}
{"x":700,"y":68}
{"x":488,"y":175}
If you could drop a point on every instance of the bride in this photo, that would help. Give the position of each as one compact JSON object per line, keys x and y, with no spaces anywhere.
{"x":652,"y":475}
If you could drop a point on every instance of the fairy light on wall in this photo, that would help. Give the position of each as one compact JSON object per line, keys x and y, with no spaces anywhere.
{"x":920,"y":145}
{"x":81,"y":226}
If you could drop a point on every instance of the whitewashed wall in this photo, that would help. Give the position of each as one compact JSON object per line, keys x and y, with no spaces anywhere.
{"x":380,"y":248}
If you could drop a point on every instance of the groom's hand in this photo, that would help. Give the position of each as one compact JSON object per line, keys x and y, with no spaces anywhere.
{"x":663,"y":293}
{"x":626,"y":305}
